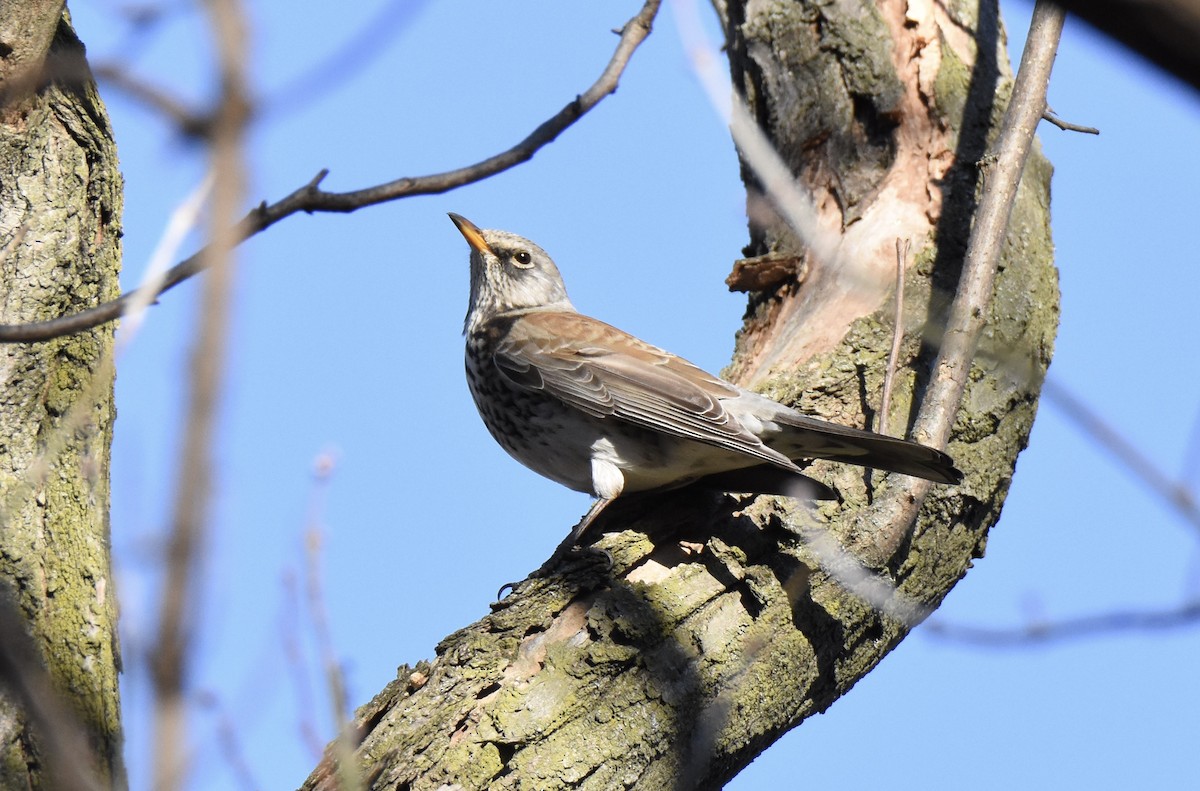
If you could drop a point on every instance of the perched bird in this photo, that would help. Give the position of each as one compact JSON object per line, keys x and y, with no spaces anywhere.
{"x":599,"y":411}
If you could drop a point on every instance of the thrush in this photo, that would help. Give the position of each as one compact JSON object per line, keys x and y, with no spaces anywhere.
{"x":602,"y":412}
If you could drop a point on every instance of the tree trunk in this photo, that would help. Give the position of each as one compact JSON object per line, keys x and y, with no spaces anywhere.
{"x":722,"y":621}
{"x":60,"y":209}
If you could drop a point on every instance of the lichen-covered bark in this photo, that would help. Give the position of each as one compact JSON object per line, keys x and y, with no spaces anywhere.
{"x":722,"y":622}
{"x":60,"y":208}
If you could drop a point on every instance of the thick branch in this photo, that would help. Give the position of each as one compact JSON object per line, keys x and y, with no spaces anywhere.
{"x":663,"y":668}
{"x":60,"y":200}
{"x":1003,"y":171}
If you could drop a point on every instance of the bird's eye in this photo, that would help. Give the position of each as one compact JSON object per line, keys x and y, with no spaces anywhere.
{"x":523,"y":259}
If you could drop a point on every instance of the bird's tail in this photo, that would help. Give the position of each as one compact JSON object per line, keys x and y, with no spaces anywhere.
{"x":807,"y":438}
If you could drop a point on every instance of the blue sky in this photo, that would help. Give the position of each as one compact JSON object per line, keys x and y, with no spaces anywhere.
{"x":346,"y":341}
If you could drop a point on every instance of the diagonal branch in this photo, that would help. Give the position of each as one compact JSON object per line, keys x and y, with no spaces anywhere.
{"x":311,"y":198}
{"x":655,"y":662}
{"x":189,"y":121}
{"x":1174,"y":493}
{"x":1186,"y":615}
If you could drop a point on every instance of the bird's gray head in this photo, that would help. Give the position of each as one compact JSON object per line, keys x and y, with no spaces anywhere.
{"x":508,"y":273}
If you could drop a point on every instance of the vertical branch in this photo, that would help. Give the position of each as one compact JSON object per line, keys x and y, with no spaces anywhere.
{"x":60,"y":251}
{"x":208,"y":355}
{"x":978,"y":280}
{"x":343,"y":743}
{"x":969,"y":311}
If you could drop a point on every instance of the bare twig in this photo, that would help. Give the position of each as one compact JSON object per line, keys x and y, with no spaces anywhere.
{"x":889,"y":376}
{"x":228,"y":743}
{"x":174,"y":641}
{"x":343,"y":743}
{"x":1176,"y":494}
{"x":190,"y":122}
{"x":18,"y":238}
{"x":876,"y":589}
{"x":968,"y":313}
{"x":310,"y":198}
{"x":316,"y":80}
{"x":234,"y":755}
{"x":310,"y":734}
{"x":1067,"y":126}
{"x":1187,"y":614}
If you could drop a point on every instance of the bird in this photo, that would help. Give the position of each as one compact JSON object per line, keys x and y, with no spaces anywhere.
{"x":600,"y":411}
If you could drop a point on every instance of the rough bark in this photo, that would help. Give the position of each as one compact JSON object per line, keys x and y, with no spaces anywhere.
{"x":723,"y":622}
{"x":60,"y":208}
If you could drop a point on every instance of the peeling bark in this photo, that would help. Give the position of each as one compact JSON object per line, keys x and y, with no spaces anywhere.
{"x":60,"y":208}
{"x":722,"y":621}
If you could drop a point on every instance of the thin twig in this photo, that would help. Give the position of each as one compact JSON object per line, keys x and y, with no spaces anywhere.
{"x":1175,"y":494}
{"x":18,"y":238}
{"x":233,"y":754}
{"x":228,"y":742}
{"x":173,"y":647}
{"x":343,"y":743}
{"x":302,"y":90}
{"x":310,"y":734}
{"x":1067,"y":126}
{"x":889,"y":376}
{"x":310,"y":198}
{"x":969,"y":312}
{"x":189,"y":121}
{"x":1187,"y":614}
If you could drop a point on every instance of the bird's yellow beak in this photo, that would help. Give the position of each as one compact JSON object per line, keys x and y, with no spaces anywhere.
{"x":471,"y":232}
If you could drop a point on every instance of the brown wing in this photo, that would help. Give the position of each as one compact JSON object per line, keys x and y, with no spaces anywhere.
{"x":605,"y":373}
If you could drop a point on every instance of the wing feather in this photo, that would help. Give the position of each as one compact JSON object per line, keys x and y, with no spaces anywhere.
{"x":607,"y":373}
